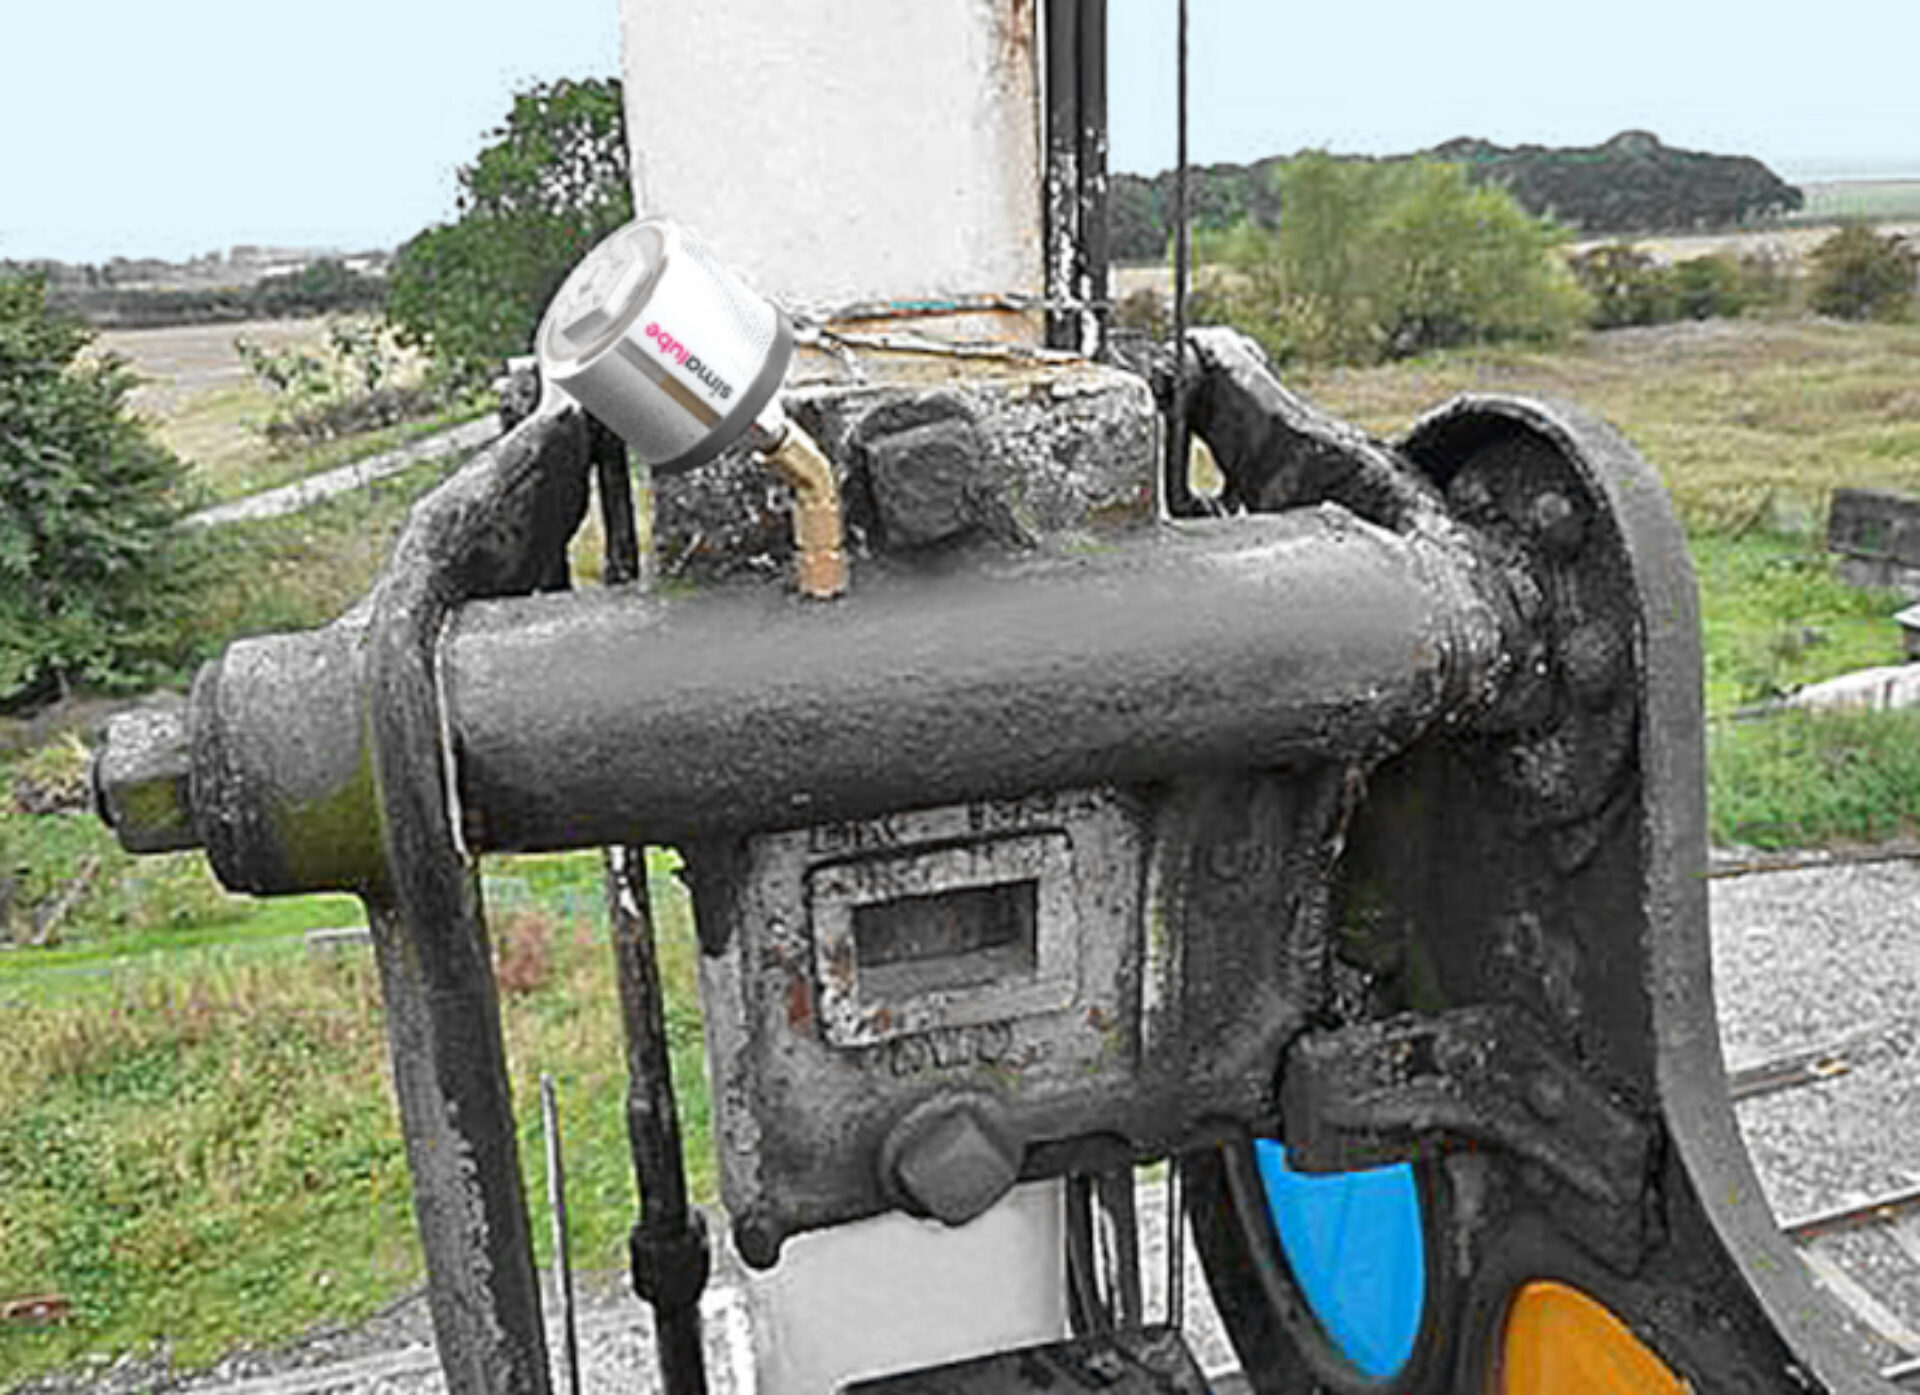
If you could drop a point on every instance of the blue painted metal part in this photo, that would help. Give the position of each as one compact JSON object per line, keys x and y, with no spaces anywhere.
{"x":1357,"y":1249}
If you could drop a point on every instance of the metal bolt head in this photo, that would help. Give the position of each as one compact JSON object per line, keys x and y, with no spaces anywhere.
{"x":1594,"y":658}
{"x":140,"y":780}
{"x":954,"y":1163}
{"x":923,"y":480}
{"x":1546,"y":1096}
{"x":1469,"y":495}
{"x":1558,"y":523}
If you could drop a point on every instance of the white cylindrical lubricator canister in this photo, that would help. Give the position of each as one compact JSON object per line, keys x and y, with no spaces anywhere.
{"x":663,"y":344}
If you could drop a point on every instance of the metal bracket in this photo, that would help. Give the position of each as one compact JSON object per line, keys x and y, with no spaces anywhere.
{"x":1386,"y":1092}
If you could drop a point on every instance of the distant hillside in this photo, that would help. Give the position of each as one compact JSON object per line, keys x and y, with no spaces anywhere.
{"x":242,"y":266}
{"x":249,"y":283}
{"x":1630,"y":184}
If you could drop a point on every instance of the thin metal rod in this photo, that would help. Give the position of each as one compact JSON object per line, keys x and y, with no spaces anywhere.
{"x":1064,"y":247}
{"x":669,"y":1244}
{"x":1086,"y":1314}
{"x":562,"y":1253}
{"x":1810,"y":1066}
{"x":1182,"y":247}
{"x":1178,"y":491}
{"x":616,"y":507}
{"x":1873,"y":1211}
{"x":1094,"y":249}
{"x":1176,"y":1245}
{"x":1902,"y":1370}
{"x":1120,"y":1217}
{"x":1765,"y":862}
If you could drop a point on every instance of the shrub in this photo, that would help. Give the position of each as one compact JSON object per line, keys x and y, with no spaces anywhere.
{"x":1631,"y":287}
{"x":1627,"y":285}
{"x":1709,"y":288}
{"x":324,"y":287}
{"x":91,"y":569}
{"x":1807,"y":779}
{"x":1859,"y":275}
{"x":362,"y":382}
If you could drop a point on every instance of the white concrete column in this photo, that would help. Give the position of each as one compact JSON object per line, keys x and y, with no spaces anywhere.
{"x":837,"y":153}
{"x":840,"y":151}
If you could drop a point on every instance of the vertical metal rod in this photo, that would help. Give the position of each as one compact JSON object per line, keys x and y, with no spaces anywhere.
{"x":1094,"y":244}
{"x":1179,"y":492}
{"x":1176,"y":1245}
{"x":1182,"y":249}
{"x":562,"y":1254}
{"x":670,"y":1256}
{"x":1103,"y":1252}
{"x":1061,"y":192}
{"x":616,"y":507}
{"x":1115,"y":1190}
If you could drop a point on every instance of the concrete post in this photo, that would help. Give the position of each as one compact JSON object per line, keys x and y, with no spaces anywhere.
{"x":844,"y":151}
{"x":846,"y":156}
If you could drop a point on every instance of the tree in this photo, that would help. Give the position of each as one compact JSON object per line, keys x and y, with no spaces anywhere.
{"x":550,"y":184}
{"x":91,"y":568}
{"x":1388,"y":259}
{"x":1459,"y":263}
{"x":322,"y":287}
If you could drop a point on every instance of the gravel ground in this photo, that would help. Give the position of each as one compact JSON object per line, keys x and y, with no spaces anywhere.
{"x":1801,"y":959}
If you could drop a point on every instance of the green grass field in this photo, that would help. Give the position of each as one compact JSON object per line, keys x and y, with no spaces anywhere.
{"x":197,"y":1138}
{"x":199,"y":1143}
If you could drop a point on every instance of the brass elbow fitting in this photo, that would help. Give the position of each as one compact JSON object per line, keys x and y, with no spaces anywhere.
{"x":818,"y":535}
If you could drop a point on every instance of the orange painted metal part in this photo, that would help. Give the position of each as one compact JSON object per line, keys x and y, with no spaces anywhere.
{"x":1558,"y":1341}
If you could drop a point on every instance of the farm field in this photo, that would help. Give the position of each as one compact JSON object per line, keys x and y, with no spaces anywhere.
{"x":1790,"y":243}
{"x":181,"y":362}
{"x":202,"y":402}
{"x":196,"y":392}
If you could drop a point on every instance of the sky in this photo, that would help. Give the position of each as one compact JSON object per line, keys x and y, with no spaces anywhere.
{"x":171,"y":129}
